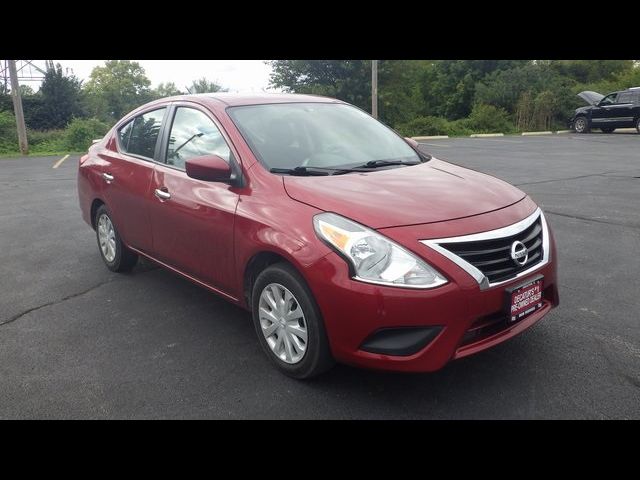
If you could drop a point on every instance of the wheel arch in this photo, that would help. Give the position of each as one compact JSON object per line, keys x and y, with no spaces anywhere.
{"x":95,"y":205}
{"x":259,"y":262}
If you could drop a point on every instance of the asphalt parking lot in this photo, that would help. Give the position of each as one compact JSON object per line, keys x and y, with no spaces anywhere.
{"x":77,"y":341}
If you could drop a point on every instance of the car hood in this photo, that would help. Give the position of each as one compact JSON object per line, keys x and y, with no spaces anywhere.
{"x":431,"y":192}
{"x":592,"y":98}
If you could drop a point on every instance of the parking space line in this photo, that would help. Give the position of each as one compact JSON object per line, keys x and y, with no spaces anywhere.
{"x":59,"y":162}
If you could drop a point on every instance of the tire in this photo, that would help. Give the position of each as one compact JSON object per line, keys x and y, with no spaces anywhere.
{"x":286,"y":350}
{"x":638,"y":125}
{"x":115,"y":255}
{"x":607,"y":130}
{"x":581,"y":125}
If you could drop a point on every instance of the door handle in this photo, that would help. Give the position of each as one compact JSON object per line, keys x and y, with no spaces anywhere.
{"x":162,"y":194}
{"x":108,"y":177}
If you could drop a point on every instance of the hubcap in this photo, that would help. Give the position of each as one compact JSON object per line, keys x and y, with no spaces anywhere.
{"x":283,"y":324}
{"x":580,"y":124}
{"x":107,"y":237}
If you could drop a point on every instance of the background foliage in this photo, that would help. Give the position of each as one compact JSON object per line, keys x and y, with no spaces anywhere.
{"x":455,"y":97}
{"x":416,"y":97}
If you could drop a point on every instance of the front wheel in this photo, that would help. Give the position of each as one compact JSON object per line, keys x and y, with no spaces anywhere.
{"x":288,"y":323}
{"x":115,"y":255}
{"x":581,"y":125}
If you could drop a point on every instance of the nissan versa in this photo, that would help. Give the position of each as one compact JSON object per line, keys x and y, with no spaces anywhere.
{"x":345,"y":241}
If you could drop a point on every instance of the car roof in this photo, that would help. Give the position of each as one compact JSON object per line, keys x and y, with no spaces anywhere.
{"x":235,"y":99}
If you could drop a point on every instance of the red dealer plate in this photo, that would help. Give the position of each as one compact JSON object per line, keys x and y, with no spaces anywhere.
{"x":524,"y":300}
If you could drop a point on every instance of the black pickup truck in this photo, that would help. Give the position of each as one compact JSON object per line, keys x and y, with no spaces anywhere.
{"x":616,"y":110}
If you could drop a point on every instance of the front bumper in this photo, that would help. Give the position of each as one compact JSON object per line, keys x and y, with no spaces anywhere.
{"x":469,"y":319}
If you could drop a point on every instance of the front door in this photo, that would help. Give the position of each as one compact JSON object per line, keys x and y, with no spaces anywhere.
{"x":607,"y":113}
{"x":192,"y":220}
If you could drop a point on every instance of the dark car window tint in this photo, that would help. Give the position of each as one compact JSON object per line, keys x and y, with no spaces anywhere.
{"x":625,"y":97}
{"x":193,"y":134}
{"x":143,"y":135}
{"x":609,"y":99}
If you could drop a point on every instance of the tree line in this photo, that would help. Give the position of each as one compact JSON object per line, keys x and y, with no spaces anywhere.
{"x":431,"y":97}
{"x":67,"y":113}
{"x":416,"y":97}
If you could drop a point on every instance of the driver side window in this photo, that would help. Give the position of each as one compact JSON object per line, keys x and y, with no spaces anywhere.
{"x":193,"y":134}
{"x":609,"y":99}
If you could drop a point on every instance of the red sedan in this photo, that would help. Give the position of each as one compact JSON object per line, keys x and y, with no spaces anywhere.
{"x":345,"y":241}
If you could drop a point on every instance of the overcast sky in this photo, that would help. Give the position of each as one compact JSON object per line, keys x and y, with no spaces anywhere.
{"x":236,"y":75}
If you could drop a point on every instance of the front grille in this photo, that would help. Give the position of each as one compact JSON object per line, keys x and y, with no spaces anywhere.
{"x":493,"y":257}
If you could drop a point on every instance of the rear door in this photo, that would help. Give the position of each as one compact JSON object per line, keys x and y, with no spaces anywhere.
{"x":624,"y":109}
{"x":192,"y":220}
{"x":128,"y":174}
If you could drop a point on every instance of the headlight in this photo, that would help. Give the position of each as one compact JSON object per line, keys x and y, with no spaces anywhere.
{"x":375,"y":258}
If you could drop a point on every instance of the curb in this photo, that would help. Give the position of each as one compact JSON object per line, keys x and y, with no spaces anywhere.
{"x":536,"y":133}
{"x":431,"y":137}
{"x":564,"y":131}
{"x":483,"y":135}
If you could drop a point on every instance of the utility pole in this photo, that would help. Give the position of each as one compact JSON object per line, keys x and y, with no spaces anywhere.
{"x":374,"y":88}
{"x":17,"y":108}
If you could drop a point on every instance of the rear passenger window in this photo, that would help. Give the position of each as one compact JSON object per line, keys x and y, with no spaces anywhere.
{"x":625,"y":97}
{"x":139,"y":137}
{"x":194,"y":134}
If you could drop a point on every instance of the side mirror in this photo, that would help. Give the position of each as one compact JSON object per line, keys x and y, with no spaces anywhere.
{"x":411,"y":142}
{"x":210,"y":168}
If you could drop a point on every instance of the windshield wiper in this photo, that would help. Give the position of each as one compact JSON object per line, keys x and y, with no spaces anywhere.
{"x":316,"y":171}
{"x":385,"y":163}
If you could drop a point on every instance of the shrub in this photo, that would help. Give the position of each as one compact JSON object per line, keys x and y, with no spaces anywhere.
{"x":424,"y":126}
{"x":8,"y":133}
{"x":433,"y":126}
{"x":458,"y":128}
{"x":488,"y":119}
{"x":81,"y":132}
{"x":46,"y":141}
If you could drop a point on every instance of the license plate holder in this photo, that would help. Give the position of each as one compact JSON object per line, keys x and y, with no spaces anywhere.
{"x":524,"y":299}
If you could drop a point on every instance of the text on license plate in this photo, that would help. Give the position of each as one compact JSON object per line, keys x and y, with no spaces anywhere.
{"x":526,"y":300}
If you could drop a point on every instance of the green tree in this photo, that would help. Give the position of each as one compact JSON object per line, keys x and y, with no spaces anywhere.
{"x":348,"y":80}
{"x":168,"y":89}
{"x":26,"y":91}
{"x":61,"y":99}
{"x":202,"y":85}
{"x":449,"y":86}
{"x":117,"y":88}
{"x":399,"y":95}
{"x":590,"y":71}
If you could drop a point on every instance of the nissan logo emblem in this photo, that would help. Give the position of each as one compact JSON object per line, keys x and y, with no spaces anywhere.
{"x":519,"y":253}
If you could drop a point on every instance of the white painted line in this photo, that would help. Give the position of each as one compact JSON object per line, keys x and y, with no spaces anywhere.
{"x":59,"y":162}
{"x":484,"y":135}
{"x":564,"y":131}
{"x":537,"y":133}
{"x":431,"y":137}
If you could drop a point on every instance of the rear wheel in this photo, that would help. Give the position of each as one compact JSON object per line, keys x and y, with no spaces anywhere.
{"x":288,"y":323}
{"x":607,"y":130}
{"x":115,"y":255}
{"x":581,"y":125}
{"x":638,"y":124}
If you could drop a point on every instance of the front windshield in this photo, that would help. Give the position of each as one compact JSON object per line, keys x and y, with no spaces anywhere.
{"x":325,"y":135}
